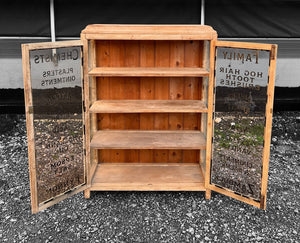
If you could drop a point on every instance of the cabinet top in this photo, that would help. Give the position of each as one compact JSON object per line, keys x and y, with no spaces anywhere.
{"x":149,"y":32}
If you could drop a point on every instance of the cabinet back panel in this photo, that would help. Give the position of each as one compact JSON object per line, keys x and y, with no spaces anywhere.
{"x":105,"y":156}
{"x":150,"y":53}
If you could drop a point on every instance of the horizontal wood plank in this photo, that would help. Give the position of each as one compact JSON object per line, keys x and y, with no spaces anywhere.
{"x":130,"y":36}
{"x":244,"y":45}
{"x":149,"y":32}
{"x":147,"y":29}
{"x":49,"y":45}
{"x":148,"y":177}
{"x":148,"y":106}
{"x":148,"y":139}
{"x":148,"y":72}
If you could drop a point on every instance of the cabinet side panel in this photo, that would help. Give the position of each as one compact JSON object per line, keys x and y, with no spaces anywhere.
{"x":147,"y":93}
{"x":204,"y":98}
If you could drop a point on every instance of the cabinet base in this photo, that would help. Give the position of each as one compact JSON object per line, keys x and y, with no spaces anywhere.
{"x":148,"y":177}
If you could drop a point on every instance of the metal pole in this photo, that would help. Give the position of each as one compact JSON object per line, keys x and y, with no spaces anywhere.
{"x":202,"y":12}
{"x":52,"y":26}
{"x":52,"y":20}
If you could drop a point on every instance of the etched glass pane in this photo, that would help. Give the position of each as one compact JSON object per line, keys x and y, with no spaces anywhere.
{"x":240,"y":103}
{"x":56,"y":82}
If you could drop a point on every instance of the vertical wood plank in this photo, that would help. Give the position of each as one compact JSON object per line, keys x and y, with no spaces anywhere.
{"x":103,"y":53}
{"x":103,"y":118}
{"x":131,"y":91}
{"x":201,"y":61}
{"x":116,"y":92}
{"x":90,"y":95}
{"x":30,"y":129}
{"x":204,"y":98}
{"x":191,"y":92}
{"x":91,"y":157}
{"x":210,"y":114}
{"x":209,"y":118}
{"x":176,"y":92}
{"x":161,"y":87}
{"x":103,"y":91}
{"x":146,"y":93}
{"x":268,"y":127}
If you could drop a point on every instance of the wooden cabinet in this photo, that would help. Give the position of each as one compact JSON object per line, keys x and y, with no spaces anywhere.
{"x":148,"y":102}
{"x":149,"y":106}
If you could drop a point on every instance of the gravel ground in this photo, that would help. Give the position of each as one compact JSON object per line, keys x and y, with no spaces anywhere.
{"x":152,"y":216}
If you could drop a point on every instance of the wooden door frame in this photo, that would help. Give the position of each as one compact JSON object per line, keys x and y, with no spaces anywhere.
{"x":26,"y":48}
{"x":268,"y":116}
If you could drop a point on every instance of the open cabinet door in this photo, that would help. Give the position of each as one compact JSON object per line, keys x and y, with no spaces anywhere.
{"x":242,"y":105}
{"x":54,"y":100}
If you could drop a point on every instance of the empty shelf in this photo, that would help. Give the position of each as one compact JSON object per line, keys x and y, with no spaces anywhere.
{"x":148,"y":139}
{"x":144,"y":106}
{"x":148,"y":72}
{"x":148,"y":177}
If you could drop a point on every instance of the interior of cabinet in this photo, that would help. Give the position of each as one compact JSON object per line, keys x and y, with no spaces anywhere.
{"x":147,"y":109}
{"x":149,"y":54}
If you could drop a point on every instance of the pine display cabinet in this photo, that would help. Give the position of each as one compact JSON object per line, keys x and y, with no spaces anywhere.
{"x":148,"y":108}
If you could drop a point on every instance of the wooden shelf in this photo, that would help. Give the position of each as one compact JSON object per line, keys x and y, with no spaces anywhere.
{"x":148,"y":72}
{"x":148,"y":106}
{"x":148,"y":139}
{"x":148,"y":177}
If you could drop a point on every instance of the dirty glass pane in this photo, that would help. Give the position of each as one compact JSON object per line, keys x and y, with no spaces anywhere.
{"x":56,"y":82}
{"x":240,"y":103}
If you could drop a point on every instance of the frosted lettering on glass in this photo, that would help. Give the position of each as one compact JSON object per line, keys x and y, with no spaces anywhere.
{"x":58,"y":126}
{"x":240,"y":102}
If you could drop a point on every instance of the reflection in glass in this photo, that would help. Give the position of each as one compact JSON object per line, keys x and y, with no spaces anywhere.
{"x":58,"y":125}
{"x":240,"y":101}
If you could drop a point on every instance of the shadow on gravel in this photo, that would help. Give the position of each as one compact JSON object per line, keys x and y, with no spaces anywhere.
{"x":8,"y":122}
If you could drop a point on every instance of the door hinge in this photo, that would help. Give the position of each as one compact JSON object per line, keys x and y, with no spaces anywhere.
{"x":262,"y":202}
{"x":273,"y":52}
{"x":30,"y":109}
